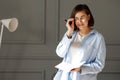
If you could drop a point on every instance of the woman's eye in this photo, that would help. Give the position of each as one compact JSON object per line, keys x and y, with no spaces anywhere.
{"x":82,"y":19}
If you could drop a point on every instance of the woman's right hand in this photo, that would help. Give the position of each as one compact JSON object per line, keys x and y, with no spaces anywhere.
{"x":70,"y":26}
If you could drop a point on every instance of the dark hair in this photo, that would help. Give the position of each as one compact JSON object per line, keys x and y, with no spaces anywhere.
{"x":83,"y":7}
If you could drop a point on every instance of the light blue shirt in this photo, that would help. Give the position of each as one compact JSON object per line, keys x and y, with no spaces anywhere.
{"x":94,"y":54}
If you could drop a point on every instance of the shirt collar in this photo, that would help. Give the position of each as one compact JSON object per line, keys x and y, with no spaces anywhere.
{"x":93,"y":31}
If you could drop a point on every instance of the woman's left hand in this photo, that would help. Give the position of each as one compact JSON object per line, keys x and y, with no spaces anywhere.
{"x":76,"y":69}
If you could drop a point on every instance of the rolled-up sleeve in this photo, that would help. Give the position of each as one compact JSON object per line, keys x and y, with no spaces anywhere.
{"x":98,"y":64}
{"x":63,"y":46}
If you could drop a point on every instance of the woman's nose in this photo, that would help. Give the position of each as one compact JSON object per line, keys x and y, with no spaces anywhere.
{"x":80,"y":22}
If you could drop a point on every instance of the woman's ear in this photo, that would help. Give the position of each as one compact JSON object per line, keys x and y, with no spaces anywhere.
{"x":88,"y":17}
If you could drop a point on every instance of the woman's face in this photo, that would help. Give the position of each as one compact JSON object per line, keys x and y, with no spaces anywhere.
{"x":81,"y":20}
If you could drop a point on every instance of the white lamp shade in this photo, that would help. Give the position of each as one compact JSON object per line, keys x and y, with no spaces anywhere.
{"x":11,"y":24}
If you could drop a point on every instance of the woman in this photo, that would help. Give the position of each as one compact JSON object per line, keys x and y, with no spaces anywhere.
{"x":81,"y":43}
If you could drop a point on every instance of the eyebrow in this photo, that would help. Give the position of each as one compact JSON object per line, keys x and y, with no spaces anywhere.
{"x":81,"y":16}
{"x":77,"y":17}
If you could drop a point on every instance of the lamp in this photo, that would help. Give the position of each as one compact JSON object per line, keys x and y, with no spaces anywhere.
{"x":11,"y":24}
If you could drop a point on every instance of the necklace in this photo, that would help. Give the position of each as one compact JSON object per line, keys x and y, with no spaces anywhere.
{"x":84,"y":34}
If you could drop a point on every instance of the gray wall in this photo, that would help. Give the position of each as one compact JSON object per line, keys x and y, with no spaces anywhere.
{"x":29,"y":52}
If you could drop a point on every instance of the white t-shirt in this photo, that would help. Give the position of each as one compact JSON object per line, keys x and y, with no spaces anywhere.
{"x":75,"y":55}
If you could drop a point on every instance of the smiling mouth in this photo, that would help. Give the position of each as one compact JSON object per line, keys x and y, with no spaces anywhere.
{"x":80,"y":25}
